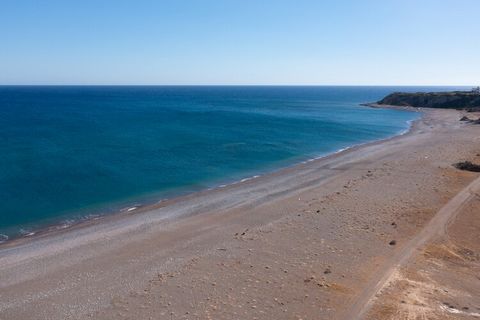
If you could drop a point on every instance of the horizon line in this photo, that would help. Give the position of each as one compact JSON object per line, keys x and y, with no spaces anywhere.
{"x":235,"y":85}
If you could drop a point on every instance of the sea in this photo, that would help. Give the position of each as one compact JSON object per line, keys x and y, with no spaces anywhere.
{"x":71,"y":153}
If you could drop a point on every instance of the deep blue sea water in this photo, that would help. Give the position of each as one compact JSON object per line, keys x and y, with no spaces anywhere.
{"x":67,"y":151}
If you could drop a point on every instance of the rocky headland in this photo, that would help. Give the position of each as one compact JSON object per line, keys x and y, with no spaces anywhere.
{"x":464,"y":100}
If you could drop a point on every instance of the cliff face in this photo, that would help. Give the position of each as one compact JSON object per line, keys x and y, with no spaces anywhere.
{"x":451,"y":100}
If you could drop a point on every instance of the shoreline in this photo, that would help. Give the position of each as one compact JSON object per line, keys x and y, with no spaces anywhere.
{"x":137,"y":207}
{"x":300,"y":243}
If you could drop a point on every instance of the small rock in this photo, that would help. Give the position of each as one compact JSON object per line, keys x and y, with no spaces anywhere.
{"x":393,"y":242}
{"x":467,"y":166}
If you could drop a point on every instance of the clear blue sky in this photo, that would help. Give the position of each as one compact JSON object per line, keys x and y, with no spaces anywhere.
{"x":351,"y":42}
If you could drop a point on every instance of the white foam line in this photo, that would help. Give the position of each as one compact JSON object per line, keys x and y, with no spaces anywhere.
{"x":401,"y":133}
{"x":3,"y":238}
{"x":26,"y":233}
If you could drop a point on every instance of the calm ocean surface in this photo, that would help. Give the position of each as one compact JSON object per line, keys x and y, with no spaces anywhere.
{"x":69,"y":152}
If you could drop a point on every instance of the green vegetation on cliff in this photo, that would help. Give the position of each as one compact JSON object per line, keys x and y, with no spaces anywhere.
{"x":450,"y":100}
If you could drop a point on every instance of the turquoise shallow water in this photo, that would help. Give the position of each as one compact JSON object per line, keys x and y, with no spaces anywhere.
{"x":67,"y":152}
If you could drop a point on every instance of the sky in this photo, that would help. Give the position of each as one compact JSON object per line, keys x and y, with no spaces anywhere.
{"x":263,"y":42}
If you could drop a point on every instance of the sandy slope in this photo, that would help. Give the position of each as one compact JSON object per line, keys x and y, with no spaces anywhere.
{"x":303,"y":243}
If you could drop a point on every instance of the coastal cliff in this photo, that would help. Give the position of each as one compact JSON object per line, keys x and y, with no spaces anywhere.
{"x":449,"y":100}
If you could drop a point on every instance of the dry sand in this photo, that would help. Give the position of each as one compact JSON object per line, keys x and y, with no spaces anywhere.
{"x":308,"y":242}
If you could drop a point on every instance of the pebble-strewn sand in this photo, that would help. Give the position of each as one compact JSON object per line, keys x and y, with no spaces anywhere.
{"x":302,"y":243}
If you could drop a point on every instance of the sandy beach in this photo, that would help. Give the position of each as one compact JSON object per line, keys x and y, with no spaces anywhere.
{"x":386,"y":230}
